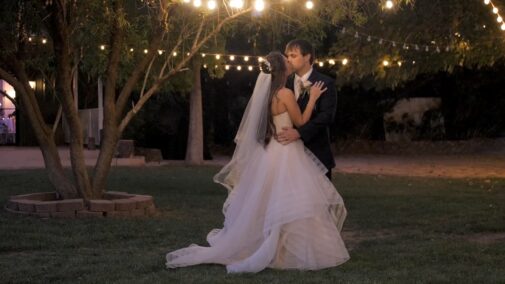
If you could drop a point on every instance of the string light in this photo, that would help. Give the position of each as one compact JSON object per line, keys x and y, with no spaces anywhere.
{"x":44,"y":41}
{"x":389,"y":4}
{"x":495,"y":11}
{"x":197,"y":3}
{"x":259,"y":5}
{"x":309,"y":5}
{"x":211,"y":4}
{"x":247,"y":58}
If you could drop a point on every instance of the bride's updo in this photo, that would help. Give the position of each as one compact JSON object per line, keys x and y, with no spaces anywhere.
{"x":276,"y":66}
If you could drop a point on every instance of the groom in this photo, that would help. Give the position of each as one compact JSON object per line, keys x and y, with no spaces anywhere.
{"x":315,"y":134}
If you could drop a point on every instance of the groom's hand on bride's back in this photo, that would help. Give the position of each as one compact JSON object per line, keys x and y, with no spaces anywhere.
{"x":287,"y":135}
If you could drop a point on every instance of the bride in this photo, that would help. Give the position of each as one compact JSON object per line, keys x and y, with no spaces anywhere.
{"x":282,"y":211}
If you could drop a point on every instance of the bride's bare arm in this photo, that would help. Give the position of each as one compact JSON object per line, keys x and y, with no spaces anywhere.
{"x":288,"y":98}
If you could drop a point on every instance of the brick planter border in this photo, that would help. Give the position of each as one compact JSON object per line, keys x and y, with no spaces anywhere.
{"x":115,"y":204}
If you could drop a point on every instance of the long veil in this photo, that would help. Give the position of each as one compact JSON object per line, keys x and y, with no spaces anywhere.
{"x":250,"y":135}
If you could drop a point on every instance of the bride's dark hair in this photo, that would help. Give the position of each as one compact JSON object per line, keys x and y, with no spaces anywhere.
{"x":275,"y":66}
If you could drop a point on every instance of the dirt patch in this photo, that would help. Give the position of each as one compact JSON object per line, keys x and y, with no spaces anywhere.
{"x":452,"y":166}
{"x":486,"y":238}
{"x":352,"y":238}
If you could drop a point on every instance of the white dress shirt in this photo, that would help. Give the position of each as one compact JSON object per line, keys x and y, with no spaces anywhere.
{"x":302,"y":79}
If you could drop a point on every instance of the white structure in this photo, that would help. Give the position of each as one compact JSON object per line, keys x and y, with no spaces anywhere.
{"x":7,"y":117}
{"x":401,"y":122}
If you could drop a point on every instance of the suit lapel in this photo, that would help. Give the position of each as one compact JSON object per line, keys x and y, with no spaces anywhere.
{"x":313,"y":76}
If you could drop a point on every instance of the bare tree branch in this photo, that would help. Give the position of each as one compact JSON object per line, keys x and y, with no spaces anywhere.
{"x":157,"y":84}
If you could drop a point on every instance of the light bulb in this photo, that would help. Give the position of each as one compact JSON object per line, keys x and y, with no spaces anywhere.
{"x":259,"y":5}
{"x":211,"y":4}
{"x":309,"y":5}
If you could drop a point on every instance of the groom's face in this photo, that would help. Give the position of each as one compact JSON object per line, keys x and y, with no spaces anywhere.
{"x":296,"y":59}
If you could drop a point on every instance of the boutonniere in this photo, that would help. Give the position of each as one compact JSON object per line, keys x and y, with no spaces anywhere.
{"x":306,"y":87}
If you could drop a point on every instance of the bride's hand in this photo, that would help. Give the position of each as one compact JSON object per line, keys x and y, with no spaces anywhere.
{"x":316,"y":90}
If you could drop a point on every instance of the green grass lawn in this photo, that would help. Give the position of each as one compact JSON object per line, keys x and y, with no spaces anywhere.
{"x":398,"y":230}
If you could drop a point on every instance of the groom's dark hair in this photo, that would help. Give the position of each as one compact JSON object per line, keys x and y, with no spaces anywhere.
{"x":304,"y":46}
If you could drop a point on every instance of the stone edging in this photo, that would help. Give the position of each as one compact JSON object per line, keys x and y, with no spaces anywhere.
{"x":114,"y":204}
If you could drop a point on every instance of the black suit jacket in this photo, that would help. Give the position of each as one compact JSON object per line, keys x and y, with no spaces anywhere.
{"x":316,"y":132}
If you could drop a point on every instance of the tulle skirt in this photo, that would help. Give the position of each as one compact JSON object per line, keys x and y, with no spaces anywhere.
{"x":282,"y":213}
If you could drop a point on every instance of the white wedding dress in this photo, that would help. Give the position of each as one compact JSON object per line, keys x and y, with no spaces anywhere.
{"x":283,"y":213}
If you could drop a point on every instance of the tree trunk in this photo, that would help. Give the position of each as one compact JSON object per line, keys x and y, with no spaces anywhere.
{"x":43,"y":134}
{"x":194,"y":150}
{"x":55,"y":172}
{"x":102,"y":168}
{"x":60,"y":33}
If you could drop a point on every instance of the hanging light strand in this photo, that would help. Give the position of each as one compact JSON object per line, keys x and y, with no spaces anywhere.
{"x":496,"y":12}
